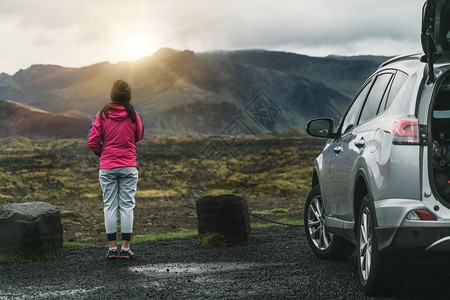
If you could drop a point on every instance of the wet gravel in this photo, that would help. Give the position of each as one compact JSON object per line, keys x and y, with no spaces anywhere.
{"x":275,"y":264}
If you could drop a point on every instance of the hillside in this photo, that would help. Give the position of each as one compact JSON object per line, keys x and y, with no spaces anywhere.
{"x":345,"y":74}
{"x":27,"y":121}
{"x":186,"y":92}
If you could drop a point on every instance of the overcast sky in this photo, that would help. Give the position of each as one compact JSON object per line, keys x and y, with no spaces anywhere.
{"x":83,"y":32}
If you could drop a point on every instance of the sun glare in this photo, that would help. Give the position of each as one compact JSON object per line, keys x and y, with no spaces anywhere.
{"x":137,"y":46}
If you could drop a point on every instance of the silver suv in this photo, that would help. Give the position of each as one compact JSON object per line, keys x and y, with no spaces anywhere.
{"x":382,"y":182}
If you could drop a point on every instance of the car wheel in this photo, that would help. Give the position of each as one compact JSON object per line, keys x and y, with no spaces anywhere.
{"x":375,"y":270}
{"x":323,"y":243}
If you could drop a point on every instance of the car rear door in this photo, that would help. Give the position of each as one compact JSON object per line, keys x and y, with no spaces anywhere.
{"x":338,"y":156}
{"x":435,"y":35}
{"x":350,"y":146}
{"x":436,"y":25}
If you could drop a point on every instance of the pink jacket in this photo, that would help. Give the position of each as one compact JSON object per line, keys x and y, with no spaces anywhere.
{"x":114,"y":138}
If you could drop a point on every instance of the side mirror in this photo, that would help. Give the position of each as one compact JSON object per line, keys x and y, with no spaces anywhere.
{"x":322,"y":127}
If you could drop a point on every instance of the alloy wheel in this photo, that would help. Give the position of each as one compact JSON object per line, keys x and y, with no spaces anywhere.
{"x":365,"y":244}
{"x":316,"y":224}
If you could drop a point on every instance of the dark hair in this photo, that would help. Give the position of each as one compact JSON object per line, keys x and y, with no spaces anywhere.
{"x":120,"y":95}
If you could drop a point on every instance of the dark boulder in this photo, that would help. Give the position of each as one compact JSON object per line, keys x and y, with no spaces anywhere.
{"x":31,"y":228}
{"x":226,"y":214}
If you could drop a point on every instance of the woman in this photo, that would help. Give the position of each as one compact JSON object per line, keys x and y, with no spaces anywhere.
{"x":112,"y":136}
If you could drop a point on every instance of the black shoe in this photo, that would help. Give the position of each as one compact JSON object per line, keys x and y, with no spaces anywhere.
{"x":126,"y":254}
{"x":112,"y":254}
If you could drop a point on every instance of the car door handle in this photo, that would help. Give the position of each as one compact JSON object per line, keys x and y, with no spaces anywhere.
{"x":337,"y":149}
{"x":360,"y":143}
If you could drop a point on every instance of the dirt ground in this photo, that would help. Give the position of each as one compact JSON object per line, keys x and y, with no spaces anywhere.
{"x":83,"y":221}
{"x":276,"y":263}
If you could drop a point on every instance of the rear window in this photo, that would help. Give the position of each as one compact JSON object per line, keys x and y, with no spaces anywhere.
{"x":399,"y":81}
{"x":375,"y":97}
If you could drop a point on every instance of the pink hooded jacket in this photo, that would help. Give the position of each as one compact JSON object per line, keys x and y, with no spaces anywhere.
{"x":114,"y":138}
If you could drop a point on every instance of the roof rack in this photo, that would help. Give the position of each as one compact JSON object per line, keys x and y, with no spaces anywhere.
{"x":400,"y":58}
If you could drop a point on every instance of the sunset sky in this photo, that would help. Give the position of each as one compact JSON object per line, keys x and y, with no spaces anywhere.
{"x":83,"y":32}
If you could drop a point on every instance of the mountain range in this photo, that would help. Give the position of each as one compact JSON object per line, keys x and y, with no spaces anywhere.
{"x":182,"y":92}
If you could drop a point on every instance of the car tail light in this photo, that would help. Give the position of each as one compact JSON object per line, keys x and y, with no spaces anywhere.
{"x":406,"y":132}
{"x":421,"y":214}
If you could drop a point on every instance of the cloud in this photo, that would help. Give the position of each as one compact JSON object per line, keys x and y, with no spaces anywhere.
{"x":300,"y":24}
{"x":76,"y":33}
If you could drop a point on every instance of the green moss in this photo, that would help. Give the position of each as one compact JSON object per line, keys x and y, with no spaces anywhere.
{"x":279,"y":211}
{"x":271,"y":166}
{"x":78,"y":245}
{"x":256,"y":226}
{"x":10,"y":258}
{"x":100,"y":229}
{"x":213,"y":239}
{"x":157,"y":237}
{"x":261,"y":213}
{"x":99,"y":215}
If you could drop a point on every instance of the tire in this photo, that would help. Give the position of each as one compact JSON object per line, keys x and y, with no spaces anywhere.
{"x":323,"y":243}
{"x":377,"y":272}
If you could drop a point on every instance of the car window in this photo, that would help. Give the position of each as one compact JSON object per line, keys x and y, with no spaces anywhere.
{"x":441,"y":114}
{"x":353,"y":113}
{"x":441,"y":108}
{"x":375,"y":97}
{"x":399,"y":81}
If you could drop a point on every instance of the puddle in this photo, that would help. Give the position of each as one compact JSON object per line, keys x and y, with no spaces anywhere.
{"x":186,"y":269}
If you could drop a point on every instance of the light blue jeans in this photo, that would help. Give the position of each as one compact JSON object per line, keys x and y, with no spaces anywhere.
{"x":119,"y":190}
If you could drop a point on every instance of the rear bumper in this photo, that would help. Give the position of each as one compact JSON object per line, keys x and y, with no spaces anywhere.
{"x":395,"y":232}
{"x":414,"y":238}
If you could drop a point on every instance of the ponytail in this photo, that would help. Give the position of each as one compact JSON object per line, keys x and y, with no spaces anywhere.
{"x":131,"y":112}
{"x":104,"y":111}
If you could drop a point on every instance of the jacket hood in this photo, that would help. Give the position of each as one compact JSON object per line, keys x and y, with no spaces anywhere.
{"x":117,"y":112}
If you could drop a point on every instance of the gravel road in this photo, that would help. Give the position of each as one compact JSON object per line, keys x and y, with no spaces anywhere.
{"x":275,"y":264}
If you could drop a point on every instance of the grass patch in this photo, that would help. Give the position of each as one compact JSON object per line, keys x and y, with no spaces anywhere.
{"x":213,"y":239}
{"x":162,"y":236}
{"x":187,"y":233}
{"x":261,"y":213}
{"x":15,"y":258}
{"x":279,"y":211}
{"x":69,"y":214}
{"x":79,"y":245}
{"x":297,"y":222}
